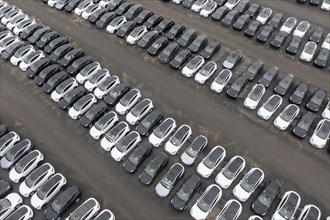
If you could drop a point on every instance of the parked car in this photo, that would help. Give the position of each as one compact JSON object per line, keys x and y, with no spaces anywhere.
{"x":231,"y":210}
{"x":254,"y":96}
{"x":168,"y":52}
{"x":59,"y":52}
{"x":210,"y":49}
{"x":219,"y":14}
{"x":316,"y":100}
{"x":85,"y":68}
{"x":38,"y":34}
{"x":192,"y":66}
{"x":128,"y":101}
{"x":322,"y":58}
{"x":276,"y":20}
{"x":230,"y":17}
{"x":115,"y":24}
{"x":133,"y":11}
{"x":264,"y":15}
{"x":71,"y":56}
{"x":9,"y":203}
{"x":205,"y":72}
{"x":242,"y":6}
{"x":164,"y":26}
{"x":7,"y":142}
{"x":11,"y":49}
{"x":13,"y":155}
{"x":187,"y":38}
{"x":189,"y":156}
{"x":122,"y":8}
{"x":106,"y":86}
{"x":126,"y":29}
{"x":253,"y":10}
{"x":232,"y":3}
{"x":211,"y":161}
{"x":86,"y":210}
{"x":321,"y":134}
{"x":72,"y":5}
{"x":153,"y":168}
{"x":268,"y":76}
{"x":236,"y":88}
{"x":233,"y":58}
{"x":94,"y":80}
{"x":82,"y":7}
{"x":54,"y":44}
{"x":198,"y":5}
{"x":139,"y":111}
{"x":143,"y":16}
{"x":178,"y":139}
{"x":208,"y":9}
{"x":284,"y":84}
{"x":71,"y":97}
{"x":264,"y":34}
{"x":63,"y":88}
{"x":105,"y":19}
{"x":294,"y":45}
{"x":148,"y":39}
{"x":116,"y":93}
{"x":325,"y":5}
{"x":310,"y":212}
{"x":175,"y":31}
{"x":113,"y":5}
{"x":317,"y":34}
{"x":162,"y":132}
{"x":21,"y":54}
{"x":301,"y":128}
{"x":81,"y":106}
{"x":253,"y":70}
{"x":23,"y":212}
{"x":45,"y":39}
{"x":31,"y":59}
{"x":301,"y":29}
{"x":93,"y":114}
{"x":288,"y":25}
{"x":3,"y":130}
{"x":125,"y":145}
{"x":149,"y":122}
{"x":157,"y":46}
{"x":221,"y":80}
{"x":269,"y":107}
{"x":37,"y":67}
{"x":114,"y":135}
{"x":46,"y":73}
{"x":139,"y":155}
{"x":153,"y":21}
{"x":198,"y":43}
{"x":252,"y":28}
{"x":279,"y":39}
{"x":97,"y":14}
{"x":104,"y":124}
{"x":136,"y":34}
{"x":299,"y":93}
{"x":180,"y":58}
{"x":287,"y":207}
{"x":308,"y":52}
{"x":241,"y":22}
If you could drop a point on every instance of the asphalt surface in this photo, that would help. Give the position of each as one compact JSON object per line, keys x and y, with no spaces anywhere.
{"x":26,"y":109}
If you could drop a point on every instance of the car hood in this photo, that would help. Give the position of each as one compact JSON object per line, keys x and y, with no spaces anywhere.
{"x":129,"y":167}
{"x":178,"y":203}
{"x":259,"y":208}
{"x":145,"y":178}
{"x":185,"y":158}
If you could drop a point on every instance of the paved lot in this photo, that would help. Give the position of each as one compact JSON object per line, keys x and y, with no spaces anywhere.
{"x":23,"y":106}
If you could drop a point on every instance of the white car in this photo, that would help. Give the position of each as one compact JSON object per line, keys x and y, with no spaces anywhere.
{"x":7,"y":42}
{"x":287,"y":207}
{"x":125,"y":145}
{"x":205,"y":72}
{"x":310,"y":212}
{"x":308,"y":52}
{"x":115,"y":24}
{"x":8,"y":141}
{"x":326,"y":111}
{"x":325,"y":5}
{"x":13,"y":14}
{"x":198,"y":5}
{"x":221,"y":80}
{"x":106,"y":214}
{"x":128,"y":101}
{"x":136,"y":34}
{"x":181,"y":135}
{"x":52,"y":3}
{"x":269,"y":107}
{"x":206,"y":202}
{"x":326,"y":42}
{"x":162,"y":132}
{"x":103,"y":125}
{"x":231,"y":4}
{"x":81,"y":106}
{"x":63,"y":88}
{"x":321,"y":134}
{"x":89,"y":10}
{"x":87,"y":72}
{"x":264,"y":15}
{"x":16,"y":21}
{"x":233,"y":208}
{"x":208,"y":9}
{"x":31,"y":59}
{"x":48,"y":190}
{"x":5,"y":34}
{"x":104,"y":3}
{"x":229,"y":172}
{"x":82,"y":6}
{"x":86,"y":210}
{"x":288,"y":25}
{"x":139,"y":111}
{"x":96,"y":79}
{"x":193,"y":66}
{"x":301,"y":29}
{"x":104,"y":87}
{"x":248,"y":184}
{"x":178,"y":2}
{"x":285,"y":118}
{"x":254,"y":97}
{"x":8,"y":204}
{"x":24,"y":212}
{"x":35,"y":179}
{"x":19,"y":28}
{"x":114,"y":135}
{"x":25,"y":165}
{"x":211,"y":161}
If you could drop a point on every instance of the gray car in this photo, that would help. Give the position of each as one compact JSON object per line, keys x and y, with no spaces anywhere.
{"x":16,"y":153}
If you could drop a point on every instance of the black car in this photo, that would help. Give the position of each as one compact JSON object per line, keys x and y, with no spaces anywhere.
{"x":123,"y":8}
{"x":188,"y":3}
{"x":26,"y":33}
{"x":54,"y":81}
{"x":303,"y":125}
{"x":175,"y":31}
{"x":266,"y":197}
{"x":279,"y":39}
{"x":73,"y":4}
{"x":230,"y":18}
{"x":153,"y":21}
{"x":242,"y":6}
{"x":37,"y":67}
{"x":116,"y":93}
{"x":71,"y":97}
{"x":284,"y":84}
{"x":252,"y":28}
{"x":218,"y":14}
{"x":168,"y":53}
{"x":276,"y":20}
{"x":4,"y":188}
{"x":78,"y":64}
{"x":293,"y":45}
{"x":157,"y":46}
{"x":237,"y":87}
{"x":126,"y":29}
{"x":115,"y":4}
{"x":322,"y":58}
{"x":143,"y":16}
{"x":3,"y":130}
{"x":253,"y":10}
{"x":314,"y":2}
{"x":133,"y":12}
{"x":268,"y":76}
{"x":299,"y":93}
{"x":316,"y":100}
{"x":96,"y":15}
{"x":317,"y":35}
{"x":210,"y":49}
{"x":148,"y":39}
{"x":179,"y":59}
{"x":241,"y":22}
{"x":153,"y":168}
{"x":253,"y":70}
{"x":71,"y":56}
{"x":149,"y":122}
{"x":105,"y":20}
{"x":136,"y":158}
{"x":11,"y":50}
{"x":93,"y":114}
{"x":164,"y":26}
{"x":181,"y":198}
{"x":46,"y":73}
{"x":54,"y":44}
{"x":266,"y":31}
{"x":62,"y":202}
{"x":59,"y":52}
{"x":38,"y":34}
{"x":45,"y":39}
{"x":198,"y":43}
{"x":187,"y":38}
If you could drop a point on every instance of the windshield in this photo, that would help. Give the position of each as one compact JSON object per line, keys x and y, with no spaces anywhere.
{"x":236,"y":86}
{"x":203,"y":205}
{"x":4,"y":204}
{"x":58,"y":52}
{"x":166,"y":182}
{"x":110,"y":137}
{"x":221,"y":79}
{"x":264,"y":200}
{"x":29,"y":182}
{"x":52,"y":81}
{"x":134,"y":159}
{"x":94,"y":78}
{"x":299,"y":92}
{"x":114,"y":93}
{"x":209,"y":163}
{"x":322,"y":132}
{"x":150,"y":170}
{"x":19,"y":167}
{"x":68,"y":97}
{"x":285,"y":213}
{"x":126,"y":100}
{"x":232,"y":57}
{"x":10,"y":155}
{"x":41,"y":194}
{"x":205,"y":71}
{"x":146,"y":123}
{"x":104,"y":85}
{"x":183,"y":196}
{"x":255,"y":95}
{"x":56,"y":206}
{"x":269,"y":106}
{"x":310,"y":49}
{"x":136,"y":111}
{"x":158,"y":133}
{"x":192,"y":152}
{"x":193,"y":63}
{"x":227,"y":173}
{"x":247,"y":186}
{"x":175,"y":141}
{"x":287,"y":115}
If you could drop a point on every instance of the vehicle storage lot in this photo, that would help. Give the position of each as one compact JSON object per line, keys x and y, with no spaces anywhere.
{"x":297,"y":164}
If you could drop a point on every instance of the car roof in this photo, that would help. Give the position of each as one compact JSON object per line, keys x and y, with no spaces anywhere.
{"x":141,"y":105}
{"x":40,"y":170}
{"x":85,"y":207}
{"x":18,"y":213}
{"x":165,"y":124}
{"x":130,"y":94}
{"x":97,"y":107}
{"x":7,"y":137}
{"x":232,"y":209}
{"x":25,"y":160}
{"x":291,"y":109}
{"x":198,"y":142}
{"x":174,"y":170}
{"x":291,"y":201}
{"x":235,"y":164}
{"x":254,"y":176}
{"x":313,"y":213}
{"x":106,"y":117}
{"x":67,"y":194}
{"x":51,"y":182}
{"x":216,"y":153}
{"x":182,"y":130}
{"x":211,"y":193}
{"x":104,"y":216}
{"x":20,"y":145}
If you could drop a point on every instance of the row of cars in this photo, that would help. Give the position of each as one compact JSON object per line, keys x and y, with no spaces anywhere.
{"x":325,"y":4}
{"x":38,"y":181}
{"x":242,"y":14}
